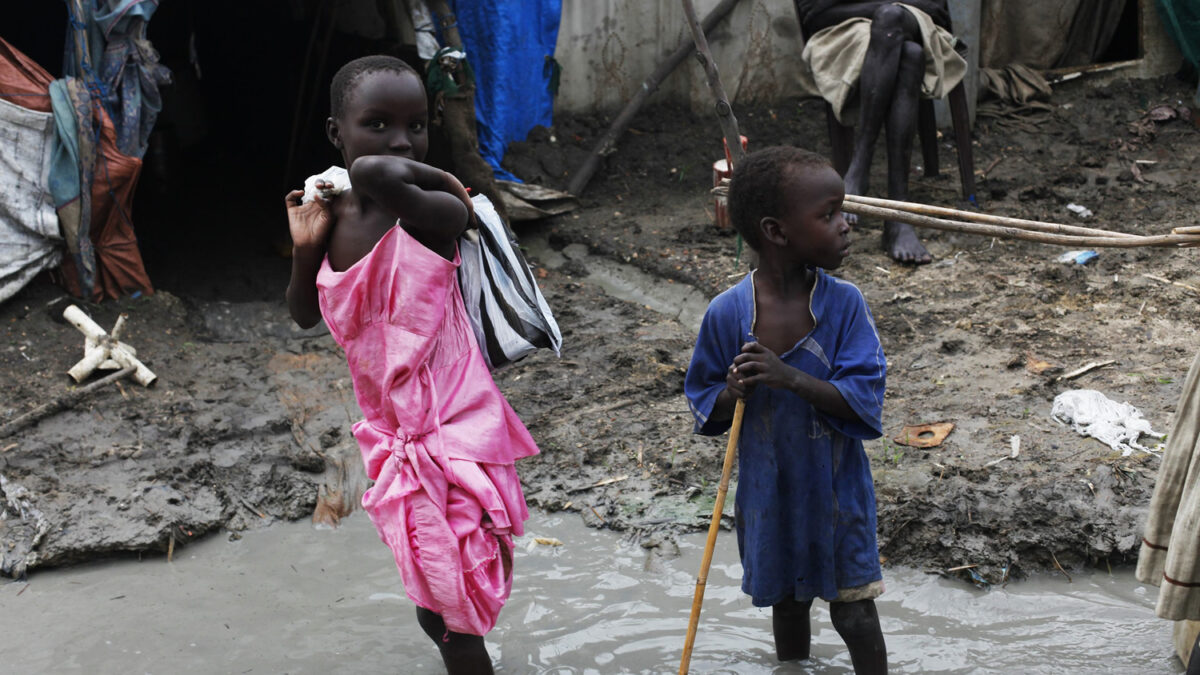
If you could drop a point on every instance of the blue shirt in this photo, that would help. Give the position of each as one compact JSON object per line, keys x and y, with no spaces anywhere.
{"x":805,"y":505}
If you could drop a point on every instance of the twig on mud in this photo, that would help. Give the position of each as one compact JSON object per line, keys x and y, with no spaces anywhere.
{"x":1060,"y":567}
{"x":984,"y":174}
{"x":253,"y":509}
{"x":962,"y":567}
{"x":602,"y":483}
{"x":1164,"y":280}
{"x":171,"y":547}
{"x":1085,"y":369}
{"x":602,"y":520}
{"x":8,"y":447}
{"x":23,"y":589}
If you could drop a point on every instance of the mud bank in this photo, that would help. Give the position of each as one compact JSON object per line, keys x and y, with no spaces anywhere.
{"x":249,"y":421}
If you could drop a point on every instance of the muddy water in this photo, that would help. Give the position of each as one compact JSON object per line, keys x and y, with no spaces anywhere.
{"x":297,"y":600}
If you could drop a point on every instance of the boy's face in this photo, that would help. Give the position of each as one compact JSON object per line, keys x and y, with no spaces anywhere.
{"x":813,"y":229}
{"x":385,"y":114}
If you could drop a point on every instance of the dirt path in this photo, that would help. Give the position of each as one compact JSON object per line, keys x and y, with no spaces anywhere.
{"x":250,"y":417}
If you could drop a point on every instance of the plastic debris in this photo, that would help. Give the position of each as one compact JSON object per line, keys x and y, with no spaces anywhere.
{"x":1079,"y":257}
{"x":1117,"y":425}
{"x":1080,"y":210}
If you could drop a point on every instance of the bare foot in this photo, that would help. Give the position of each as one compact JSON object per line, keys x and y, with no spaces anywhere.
{"x":901,"y":243}
{"x":853,"y":187}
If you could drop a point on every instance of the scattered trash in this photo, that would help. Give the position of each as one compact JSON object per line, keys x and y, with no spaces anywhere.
{"x":1078,"y":257}
{"x":1080,"y":210}
{"x":924,"y":435}
{"x":1117,"y":425}
{"x":1035,"y":365}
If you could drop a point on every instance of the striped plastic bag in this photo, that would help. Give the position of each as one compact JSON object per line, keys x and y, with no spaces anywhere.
{"x":504,"y":304}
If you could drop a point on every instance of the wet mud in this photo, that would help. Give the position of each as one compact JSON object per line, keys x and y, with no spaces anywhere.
{"x":249,"y":422}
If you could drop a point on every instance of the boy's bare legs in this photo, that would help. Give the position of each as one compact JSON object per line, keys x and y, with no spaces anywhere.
{"x":463,"y":654}
{"x":789,"y":623}
{"x":899,"y":239}
{"x":858,"y":624}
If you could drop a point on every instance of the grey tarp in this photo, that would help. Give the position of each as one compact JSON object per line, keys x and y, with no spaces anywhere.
{"x":29,"y":236}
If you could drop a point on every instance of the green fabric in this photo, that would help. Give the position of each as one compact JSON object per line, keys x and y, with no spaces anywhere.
{"x":438,"y":81}
{"x":1182,"y":21}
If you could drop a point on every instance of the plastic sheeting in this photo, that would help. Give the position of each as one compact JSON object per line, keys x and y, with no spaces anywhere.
{"x":29,"y":239}
{"x":510,"y":45}
{"x":1091,"y":413}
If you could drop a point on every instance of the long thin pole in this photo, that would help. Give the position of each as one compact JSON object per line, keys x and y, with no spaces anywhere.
{"x":735,"y":431}
{"x":1008,"y":232}
{"x":986,"y":218}
{"x":607,"y":143}
{"x":729,"y":128}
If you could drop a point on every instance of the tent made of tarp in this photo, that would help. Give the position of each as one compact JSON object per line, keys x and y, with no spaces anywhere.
{"x":104,"y":260}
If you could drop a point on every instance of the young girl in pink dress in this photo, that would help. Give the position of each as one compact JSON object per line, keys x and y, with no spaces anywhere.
{"x":378,"y":262}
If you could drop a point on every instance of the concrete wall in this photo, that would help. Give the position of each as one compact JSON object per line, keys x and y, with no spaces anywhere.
{"x":607,"y":48}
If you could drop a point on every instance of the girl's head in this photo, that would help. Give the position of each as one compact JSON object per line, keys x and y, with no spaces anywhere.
{"x":378,"y":107}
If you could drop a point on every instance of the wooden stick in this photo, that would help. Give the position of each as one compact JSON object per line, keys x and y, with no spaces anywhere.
{"x":607,"y":143}
{"x":735,"y":430}
{"x":1085,"y":369}
{"x":975,"y":217}
{"x":1164,"y":280}
{"x":1190,"y":229}
{"x":65,"y":401}
{"x":729,"y":125}
{"x":1006,"y":232}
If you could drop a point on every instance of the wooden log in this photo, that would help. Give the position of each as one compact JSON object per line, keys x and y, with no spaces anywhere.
{"x":1007,"y":232}
{"x":62,"y":402}
{"x":987,"y":218}
{"x":608,"y":142}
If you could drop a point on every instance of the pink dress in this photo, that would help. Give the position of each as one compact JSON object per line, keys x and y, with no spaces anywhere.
{"x":439,"y":440}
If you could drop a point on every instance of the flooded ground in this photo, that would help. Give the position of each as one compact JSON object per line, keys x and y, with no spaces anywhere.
{"x":297,"y":600}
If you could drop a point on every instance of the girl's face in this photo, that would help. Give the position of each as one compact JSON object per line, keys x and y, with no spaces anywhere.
{"x":385,"y":114}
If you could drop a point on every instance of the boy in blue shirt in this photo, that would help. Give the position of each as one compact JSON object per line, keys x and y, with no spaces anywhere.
{"x":800,"y":346}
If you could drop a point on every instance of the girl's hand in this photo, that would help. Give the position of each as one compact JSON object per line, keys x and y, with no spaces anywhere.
{"x":455,"y":187}
{"x":311,"y":223}
{"x":758,"y":365}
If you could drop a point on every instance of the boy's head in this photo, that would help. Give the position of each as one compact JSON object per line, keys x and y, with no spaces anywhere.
{"x":378,"y":107}
{"x":789,"y":197}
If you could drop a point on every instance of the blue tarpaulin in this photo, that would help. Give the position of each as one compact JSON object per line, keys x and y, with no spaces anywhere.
{"x":510,"y":46}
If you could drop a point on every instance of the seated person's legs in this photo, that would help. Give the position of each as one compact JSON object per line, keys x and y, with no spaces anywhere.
{"x":789,"y":623}
{"x":858,"y":624}
{"x":899,"y":239}
{"x":891,"y":27}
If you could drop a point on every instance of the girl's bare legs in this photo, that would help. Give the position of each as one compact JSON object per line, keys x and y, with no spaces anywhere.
{"x":463,"y":654}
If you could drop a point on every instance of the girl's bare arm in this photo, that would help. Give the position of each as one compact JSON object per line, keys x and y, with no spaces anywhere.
{"x":310,"y":225}
{"x":431,"y":203}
